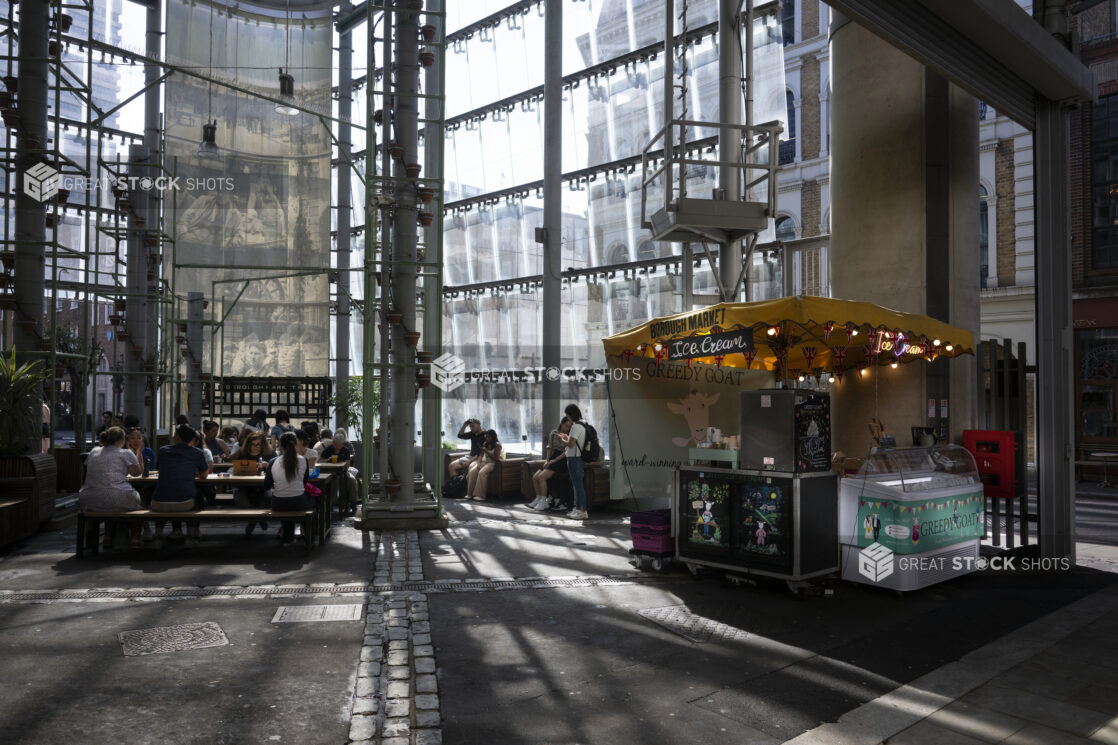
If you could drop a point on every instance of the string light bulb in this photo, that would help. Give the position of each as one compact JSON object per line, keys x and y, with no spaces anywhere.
{"x":830,"y":378}
{"x":935,"y":342}
{"x":893,"y":365}
{"x":862,"y":372}
{"x":950,"y":348}
{"x":772,"y":330}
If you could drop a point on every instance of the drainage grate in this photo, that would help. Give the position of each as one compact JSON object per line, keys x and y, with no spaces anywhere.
{"x":679,"y":620}
{"x":265,"y":591}
{"x":172,"y":638}
{"x":318,"y":613}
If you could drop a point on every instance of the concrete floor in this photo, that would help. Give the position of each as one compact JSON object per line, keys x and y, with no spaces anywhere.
{"x":514,"y":627}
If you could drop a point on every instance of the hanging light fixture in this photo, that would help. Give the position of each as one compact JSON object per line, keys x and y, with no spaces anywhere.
{"x":286,"y":79}
{"x":208,"y":148}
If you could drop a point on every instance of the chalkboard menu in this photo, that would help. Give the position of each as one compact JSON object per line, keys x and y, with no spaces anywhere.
{"x":813,"y":433}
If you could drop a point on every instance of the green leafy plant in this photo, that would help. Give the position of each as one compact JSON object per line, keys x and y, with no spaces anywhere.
{"x":20,"y":391}
{"x":349,"y":404}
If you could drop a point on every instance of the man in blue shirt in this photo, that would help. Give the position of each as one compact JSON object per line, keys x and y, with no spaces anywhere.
{"x":175,"y":490}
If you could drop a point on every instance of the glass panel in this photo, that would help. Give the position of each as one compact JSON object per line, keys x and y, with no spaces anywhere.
{"x":1098,"y":354}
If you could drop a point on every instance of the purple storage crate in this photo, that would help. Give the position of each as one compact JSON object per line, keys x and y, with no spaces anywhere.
{"x":657,"y":544}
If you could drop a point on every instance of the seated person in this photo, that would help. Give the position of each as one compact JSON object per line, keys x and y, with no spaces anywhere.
{"x":286,"y":479}
{"x":255,"y":447}
{"x":325,"y":439}
{"x":470,"y":430}
{"x":556,"y":463}
{"x":283,"y":424}
{"x":217,"y":447}
{"x":175,"y":491}
{"x":106,"y":487}
{"x":477,"y":480}
{"x":137,"y":444}
{"x":232,"y":439}
{"x":338,"y":451}
{"x":207,"y":493}
{"x":303,"y":446}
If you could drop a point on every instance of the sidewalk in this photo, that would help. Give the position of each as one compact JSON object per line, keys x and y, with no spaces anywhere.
{"x":512,"y":626}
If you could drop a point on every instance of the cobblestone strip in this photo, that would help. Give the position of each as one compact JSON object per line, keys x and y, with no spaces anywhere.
{"x":396,"y":699}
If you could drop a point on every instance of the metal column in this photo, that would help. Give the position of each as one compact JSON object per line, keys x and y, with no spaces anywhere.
{"x":153,"y":243}
{"x":552,"y":212}
{"x":433,"y":142}
{"x":402,"y":378}
{"x":1054,"y":392}
{"x":136,"y":285}
{"x":195,"y":308}
{"x":345,"y":201}
{"x":729,"y":138}
{"x":30,"y":219}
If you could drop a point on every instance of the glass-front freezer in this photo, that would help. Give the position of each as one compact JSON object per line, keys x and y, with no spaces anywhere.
{"x":912,"y":517}
{"x":757,"y":522}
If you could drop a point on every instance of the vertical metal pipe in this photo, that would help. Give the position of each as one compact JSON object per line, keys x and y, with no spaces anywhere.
{"x":404,"y":235}
{"x":135,"y":304}
{"x":383,"y":273}
{"x":153,"y":141}
{"x":195,"y":307}
{"x":30,"y":220}
{"x":433,"y":140}
{"x":729,"y":138}
{"x":669,"y":95}
{"x":345,"y":204}
{"x":552,"y":211}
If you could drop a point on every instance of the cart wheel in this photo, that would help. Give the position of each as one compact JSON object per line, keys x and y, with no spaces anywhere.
{"x":793,"y":586}
{"x":657,"y":564}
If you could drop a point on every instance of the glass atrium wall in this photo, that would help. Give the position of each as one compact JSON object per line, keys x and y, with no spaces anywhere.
{"x":615,"y":276}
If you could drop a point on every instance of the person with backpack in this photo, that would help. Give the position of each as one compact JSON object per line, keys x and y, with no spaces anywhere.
{"x":579,"y":445}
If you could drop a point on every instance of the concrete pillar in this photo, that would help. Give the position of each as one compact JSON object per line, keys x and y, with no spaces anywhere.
{"x":904,"y":226}
{"x":135,"y":346}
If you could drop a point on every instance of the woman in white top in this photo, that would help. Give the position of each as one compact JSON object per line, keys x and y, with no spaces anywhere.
{"x":285,"y":479}
{"x":106,"y":487}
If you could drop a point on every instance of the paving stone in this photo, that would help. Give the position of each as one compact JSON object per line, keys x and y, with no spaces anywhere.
{"x":396,"y":728}
{"x":366,"y":687}
{"x":398,"y":657}
{"x":397,"y":708}
{"x":426,"y":684}
{"x":429,"y":737}
{"x":399,"y":672}
{"x":419,"y":615}
{"x":397,"y":604}
{"x":397,"y":644}
{"x":363,"y":728}
{"x":398,"y":622}
{"x":397,"y":613}
{"x":427,"y":701}
{"x":396,"y":634}
{"x":365,"y":705}
{"x":373,"y":641}
{"x":420,"y":607}
{"x":976,"y":721}
{"x":421,"y":627}
{"x":371,"y":654}
{"x":419,"y":639}
{"x":425,"y":650}
{"x":425,"y":665}
{"x":395,"y":741}
{"x":399,"y":690}
{"x":428,"y":719}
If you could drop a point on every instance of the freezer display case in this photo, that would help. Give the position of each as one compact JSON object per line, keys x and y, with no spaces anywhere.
{"x":911,"y":517}
{"x":757,"y":522}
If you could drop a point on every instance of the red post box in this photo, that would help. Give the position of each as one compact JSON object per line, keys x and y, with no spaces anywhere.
{"x":995,"y":454}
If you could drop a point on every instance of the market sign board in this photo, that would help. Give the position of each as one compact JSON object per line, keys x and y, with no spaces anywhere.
{"x":711,"y":345}
{"x":923,"y":525}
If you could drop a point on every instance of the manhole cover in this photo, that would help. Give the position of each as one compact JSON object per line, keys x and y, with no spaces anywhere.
{"x":312,"y":613}
{"x":679,"y":620}
{"x":172,"y":638}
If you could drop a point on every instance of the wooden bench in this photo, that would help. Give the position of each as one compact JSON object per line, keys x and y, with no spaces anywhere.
{"x":307,"y":518}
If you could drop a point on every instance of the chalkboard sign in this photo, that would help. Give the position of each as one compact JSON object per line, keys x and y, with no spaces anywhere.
{"x":813,"y":432}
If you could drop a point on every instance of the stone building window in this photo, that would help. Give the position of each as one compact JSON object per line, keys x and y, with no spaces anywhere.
{"x":983,"y":236}
{"x":1104,"y":184}
{"x":788,"y":22}
{"x":788,"y":147}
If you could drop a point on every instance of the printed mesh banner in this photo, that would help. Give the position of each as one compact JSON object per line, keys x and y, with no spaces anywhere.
{"x":661,"y":411}
{"x":252,"y":226}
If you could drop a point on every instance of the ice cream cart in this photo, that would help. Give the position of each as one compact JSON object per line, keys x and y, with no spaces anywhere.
{"x":912,"y":517}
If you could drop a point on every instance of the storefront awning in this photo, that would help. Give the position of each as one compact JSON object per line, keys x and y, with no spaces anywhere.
{"x":793,"y":336}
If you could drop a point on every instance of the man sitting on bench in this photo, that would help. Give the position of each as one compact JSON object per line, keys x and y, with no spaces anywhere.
{"x":175,"y":491}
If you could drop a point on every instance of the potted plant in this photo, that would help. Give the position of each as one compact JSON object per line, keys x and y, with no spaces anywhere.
{"x":349,"y":409}
{"x":25,"y":472}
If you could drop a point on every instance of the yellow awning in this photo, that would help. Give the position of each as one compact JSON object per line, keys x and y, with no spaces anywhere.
{"x":795,"y":335}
